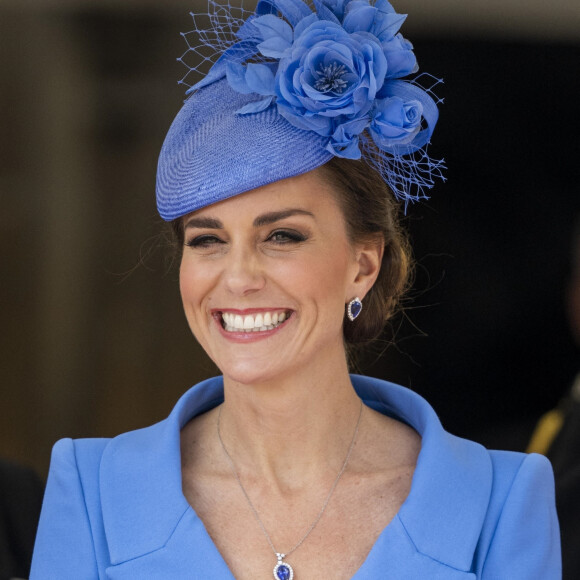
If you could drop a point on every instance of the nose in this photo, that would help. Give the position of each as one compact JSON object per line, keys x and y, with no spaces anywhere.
{"x":243,"y":274}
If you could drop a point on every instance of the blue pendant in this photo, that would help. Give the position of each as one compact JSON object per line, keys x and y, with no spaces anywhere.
{"x":283,"y":570}
{"x":354,"y":308}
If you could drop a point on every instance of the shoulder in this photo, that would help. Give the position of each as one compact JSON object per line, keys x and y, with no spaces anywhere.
{"x":77,"y":454}
{"x":521,"y":485}
{"x":512,"y":468}
{"x":520,"y":531}
{"x":74,"y":473}
{"x":75,"y":462}
{"x":74,"y":534}
{"x":70,"y":528}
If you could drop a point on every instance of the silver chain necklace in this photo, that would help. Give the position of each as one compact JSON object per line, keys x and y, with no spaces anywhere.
{"x":283,"y":570}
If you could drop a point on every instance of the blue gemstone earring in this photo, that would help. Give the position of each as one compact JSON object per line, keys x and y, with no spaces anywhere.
{"x":354,"y":308}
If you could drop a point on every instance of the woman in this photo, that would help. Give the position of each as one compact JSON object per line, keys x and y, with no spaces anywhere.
{"x":273,"y":175}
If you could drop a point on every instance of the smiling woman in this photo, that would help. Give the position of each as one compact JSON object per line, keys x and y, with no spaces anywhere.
{"x":281,"y":251}
{"x":280,"y":176}
{"x":370,"y":214}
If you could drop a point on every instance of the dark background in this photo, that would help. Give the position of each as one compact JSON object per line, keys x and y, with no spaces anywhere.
{"x":491,"y":348}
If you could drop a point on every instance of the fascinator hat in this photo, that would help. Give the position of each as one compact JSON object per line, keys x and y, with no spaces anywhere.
{"x":291,"y":86}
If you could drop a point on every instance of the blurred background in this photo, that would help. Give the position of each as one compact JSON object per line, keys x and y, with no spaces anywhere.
{"x":93,"y":341}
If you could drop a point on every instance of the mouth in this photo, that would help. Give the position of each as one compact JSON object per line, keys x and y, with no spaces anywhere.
{"x":256,"y":322}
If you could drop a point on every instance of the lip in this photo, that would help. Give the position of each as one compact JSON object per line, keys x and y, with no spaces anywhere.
{"x":247,"y":311}
{"x":243,"y":336}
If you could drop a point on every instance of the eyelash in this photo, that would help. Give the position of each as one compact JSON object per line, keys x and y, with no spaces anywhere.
{"x":289,"y":237}
{"x":204,"y":241}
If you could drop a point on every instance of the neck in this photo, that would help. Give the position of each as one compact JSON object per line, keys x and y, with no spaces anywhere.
{"x":290,"y":431}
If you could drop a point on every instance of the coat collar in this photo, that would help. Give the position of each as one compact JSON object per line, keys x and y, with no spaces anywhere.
{"x":147,"y":518}
{"x":140,"y":478}
{"x":444,"y":512}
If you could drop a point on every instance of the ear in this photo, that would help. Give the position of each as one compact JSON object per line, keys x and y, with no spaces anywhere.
{"x":368,"y":258}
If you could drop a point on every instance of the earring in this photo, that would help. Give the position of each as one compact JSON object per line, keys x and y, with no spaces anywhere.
{"x":353,"y":308}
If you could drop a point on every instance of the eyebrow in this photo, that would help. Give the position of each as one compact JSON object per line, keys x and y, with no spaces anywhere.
{"x":204,"y":222}
{"x":274,"y":216}
{"x":261,"y":220}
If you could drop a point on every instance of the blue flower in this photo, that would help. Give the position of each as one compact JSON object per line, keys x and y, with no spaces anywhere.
{"x":395,"y":122}
{"x":329,"y":77}
{"x":334,"y":71}
{"x":336,"y":68}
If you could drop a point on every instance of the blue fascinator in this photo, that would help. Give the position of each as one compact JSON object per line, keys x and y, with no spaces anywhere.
{"x":290,"y":87}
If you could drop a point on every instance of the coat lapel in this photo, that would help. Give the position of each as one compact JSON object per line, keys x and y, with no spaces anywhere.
{"x":144,"y":509}
{"x":395,"y":557}
{"x":445,"y":510}
{"x":188,"y":553}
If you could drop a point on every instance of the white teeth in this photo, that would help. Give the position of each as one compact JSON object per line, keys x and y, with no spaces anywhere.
{"x":254,"y":323}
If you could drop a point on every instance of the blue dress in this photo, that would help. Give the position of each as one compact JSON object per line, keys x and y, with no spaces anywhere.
{"x":114,"y":508}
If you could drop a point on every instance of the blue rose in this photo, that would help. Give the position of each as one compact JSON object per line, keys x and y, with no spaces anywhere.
{"x":329,"y":77}
{"x":395,"y":122}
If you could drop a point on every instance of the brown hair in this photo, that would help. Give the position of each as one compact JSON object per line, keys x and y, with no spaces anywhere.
{"x":371,"y":213}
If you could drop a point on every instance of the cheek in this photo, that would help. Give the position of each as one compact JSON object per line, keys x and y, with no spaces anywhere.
{"x":195,"y":290}
{"x":186,"y":285}
{"x":191,"y":285}
{"x":326,"y":275}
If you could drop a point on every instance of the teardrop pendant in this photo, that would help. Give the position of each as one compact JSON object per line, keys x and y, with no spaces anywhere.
{"x":283,"y":570}
{"x":354,"y":308}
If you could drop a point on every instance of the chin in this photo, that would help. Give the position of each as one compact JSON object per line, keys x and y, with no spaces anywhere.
{"x":253,"y":370}
{"x":247,"y":374}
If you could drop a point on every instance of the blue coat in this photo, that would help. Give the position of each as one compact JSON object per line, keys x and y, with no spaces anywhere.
{"x":114,"y":507}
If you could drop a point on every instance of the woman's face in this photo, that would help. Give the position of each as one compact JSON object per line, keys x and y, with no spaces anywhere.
{"x":265,"y":277}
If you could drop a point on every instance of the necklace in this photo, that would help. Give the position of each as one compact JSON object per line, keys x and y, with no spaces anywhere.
{"x":283,"y":570}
